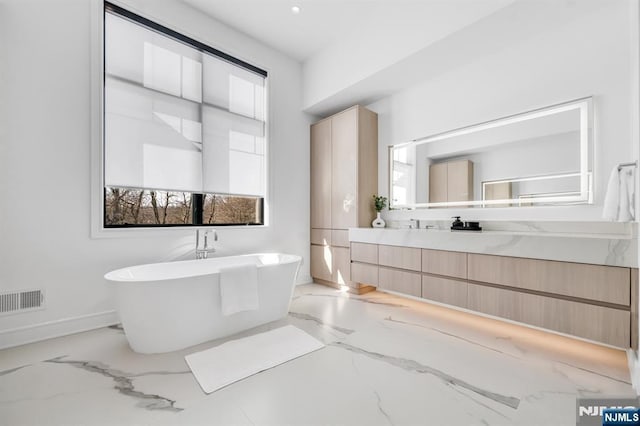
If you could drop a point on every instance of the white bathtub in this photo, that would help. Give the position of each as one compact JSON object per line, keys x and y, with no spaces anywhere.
{"x":170,"y":306}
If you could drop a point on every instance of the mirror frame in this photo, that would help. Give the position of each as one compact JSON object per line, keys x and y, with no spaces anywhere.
{"x":585,"y":195}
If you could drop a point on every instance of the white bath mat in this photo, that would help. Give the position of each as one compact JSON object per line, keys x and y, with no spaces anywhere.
{"x":218,"y":367}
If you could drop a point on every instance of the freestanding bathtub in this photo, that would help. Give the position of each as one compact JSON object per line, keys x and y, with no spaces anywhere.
{"x":169,"y":306}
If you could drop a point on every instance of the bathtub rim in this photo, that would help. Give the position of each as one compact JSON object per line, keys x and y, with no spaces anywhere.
{"x":112,"y":277}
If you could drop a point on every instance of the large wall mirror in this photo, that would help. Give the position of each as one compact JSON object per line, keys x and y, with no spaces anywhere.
{"x":541,"y":157}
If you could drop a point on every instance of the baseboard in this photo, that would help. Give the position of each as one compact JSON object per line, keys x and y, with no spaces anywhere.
{"x":48,"y":330}
{"x":634,"y":369}
{"x":304,"y":279}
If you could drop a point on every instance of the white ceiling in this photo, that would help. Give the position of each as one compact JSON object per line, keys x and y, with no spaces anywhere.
{"x":320,"y":23}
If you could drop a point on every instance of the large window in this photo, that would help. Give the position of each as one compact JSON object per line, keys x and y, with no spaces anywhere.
{"x":184,"y":129}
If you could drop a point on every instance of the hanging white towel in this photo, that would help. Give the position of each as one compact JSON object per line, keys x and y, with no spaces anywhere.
{"x":620,"y":198}
{"x":238,"y":289}
{"x":612,"y":198}
{"x":626,"y":213}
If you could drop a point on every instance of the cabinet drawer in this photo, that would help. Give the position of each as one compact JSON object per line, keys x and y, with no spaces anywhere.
{"x":449,"y":263}
{"x":607,"y":325}
{"x":596,"y":282}
{"x":341,"y":262}
{"x":340,"y":238}
{"x":367,"y":253}
{"x":321,"y":237}
{"x":364,"y":273}
{"x":400,"y":281}
{"x":400,"y":257}
{"x":321,"y":266}
{"x":443,"y":290}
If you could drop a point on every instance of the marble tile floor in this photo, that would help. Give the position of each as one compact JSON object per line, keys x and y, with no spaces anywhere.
{"x":388,"y":361}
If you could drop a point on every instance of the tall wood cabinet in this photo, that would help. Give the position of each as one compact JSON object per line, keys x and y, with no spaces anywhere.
{"x":451,"y":181}
{"x":344,"y":177}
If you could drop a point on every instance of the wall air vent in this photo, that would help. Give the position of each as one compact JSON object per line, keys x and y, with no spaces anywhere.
{"x":21,"y":301}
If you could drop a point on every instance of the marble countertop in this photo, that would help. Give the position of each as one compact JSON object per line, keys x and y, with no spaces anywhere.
{"x":602,"y":248}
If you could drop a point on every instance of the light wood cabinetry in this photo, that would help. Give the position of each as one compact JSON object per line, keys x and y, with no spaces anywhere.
{"x":595,"y":282}
{"x":367,"y":253}
{"x":401,"y":281}
{"x":593,"y":322}
{"x":321,"y":237}
{"x":400,"y":257}
{"x":344,"y":176}
{"x":451,"y":181}
{"x":321,"y":175}
{"x":438,"y":183}
{"x":321,"y":262}
{"x":340,"y":238}
{"x":341,"y":273}
{"x":344,"y":173}
{"x":364,"y":273}
{"x":595,"y":302}
{"x":364,"y":263}
{"x":444,"y":290}
{"x":449,"y":263}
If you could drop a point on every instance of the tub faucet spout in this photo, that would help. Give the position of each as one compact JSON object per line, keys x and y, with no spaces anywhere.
{"x":204,"y":245}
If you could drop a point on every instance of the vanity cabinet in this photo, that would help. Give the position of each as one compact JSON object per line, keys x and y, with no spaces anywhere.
{"x":344,"y":176}
{"x":594,"y":322}
{"x":595,"y":302}
{"x":445,"y":290}
{"x":447,"y":263}
{"x":451,"y":181}
{"x":401,"y":281}
{"x":608,"y":284}
{"x":364,"y":266}
{"x":400,"y":257}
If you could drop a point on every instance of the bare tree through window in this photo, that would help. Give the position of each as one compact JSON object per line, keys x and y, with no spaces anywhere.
{"x":127,"y":206}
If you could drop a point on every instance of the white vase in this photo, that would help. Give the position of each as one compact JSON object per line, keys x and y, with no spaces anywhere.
{"x":378,"y":222}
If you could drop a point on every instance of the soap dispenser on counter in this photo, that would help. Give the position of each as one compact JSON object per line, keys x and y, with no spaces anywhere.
{"x":459,"y":225}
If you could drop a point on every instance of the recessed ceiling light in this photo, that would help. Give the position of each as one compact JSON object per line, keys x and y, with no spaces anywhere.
{"x":295,"y":10}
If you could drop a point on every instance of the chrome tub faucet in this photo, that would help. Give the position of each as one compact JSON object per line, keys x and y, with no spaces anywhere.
{"x":204,"y":242}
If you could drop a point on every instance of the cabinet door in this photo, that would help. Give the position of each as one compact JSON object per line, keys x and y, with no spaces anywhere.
{"x":460,"y":180}
{"x":608,"y":284}
{"x":600,"y":323}
{"x":344,"y":159}
{"x":438,"y":183}
{"x":321,"y":237}
{"x":451,"y":292}
{"x":400,"y":257}
{"x":367,"y":253}
{"x":447,"y":263}
{"x":321,"y":175}
{"x":341,"y":266}
{"x":364,"y":273}
{"x":340,"y":238}
{"x":321,"y":262}
{"x":400,"y":281}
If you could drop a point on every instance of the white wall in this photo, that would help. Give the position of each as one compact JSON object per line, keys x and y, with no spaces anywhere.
{"x":586,"y":54}
{"x":379,"y":42}
{"x":45,"y":157}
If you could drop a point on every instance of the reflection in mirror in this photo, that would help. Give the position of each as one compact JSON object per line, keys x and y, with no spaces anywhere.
{"x":540,"y":157}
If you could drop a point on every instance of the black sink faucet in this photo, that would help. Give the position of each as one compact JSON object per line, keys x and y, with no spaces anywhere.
{"x":457,"y":223}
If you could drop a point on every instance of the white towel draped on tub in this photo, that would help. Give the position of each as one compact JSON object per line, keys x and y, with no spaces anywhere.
{"x":238,"y":289}
{"x":619,"y":200}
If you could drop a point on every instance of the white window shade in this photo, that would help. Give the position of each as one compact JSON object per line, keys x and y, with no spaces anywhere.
{"x":140,"y":124}
{"x":179,"y":119}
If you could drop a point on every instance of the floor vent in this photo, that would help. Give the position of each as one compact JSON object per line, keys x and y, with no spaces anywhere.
{"x":21,"y":301}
